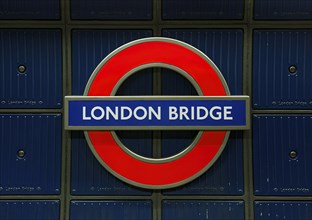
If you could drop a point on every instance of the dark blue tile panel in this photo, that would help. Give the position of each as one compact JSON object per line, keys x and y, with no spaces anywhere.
{"x":197,"y":210}
{"x":30,"y":9}
{"x":174,"y":142}
{"x":89,"y":177}
{"x":139,"y":142}
{"x":39,"y":50}
{"x":29,"y":209}
{"x":275,"y":171}
{"x":40,"y":137}
{"x":274,"y":86}
{"x":97,"y":210}
{"x":173,"y":83}
{"x":276,"y":210}
{"x":111,"y":10}
{"x":90,"y":47}
{"x":202,"y":9}
{"x":225,"y":177}
{"x":223,"y":46}
{"x":283,"y":10}
{"x":139,"y":83}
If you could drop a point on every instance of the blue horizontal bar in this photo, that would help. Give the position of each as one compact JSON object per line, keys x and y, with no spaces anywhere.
{"x":114,"y":114}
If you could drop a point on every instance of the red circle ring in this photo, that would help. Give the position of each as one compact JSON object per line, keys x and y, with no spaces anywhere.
{"x":113,"y":69}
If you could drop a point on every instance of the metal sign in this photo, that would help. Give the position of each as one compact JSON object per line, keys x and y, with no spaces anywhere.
{"x":156,"y":113}
{"x":214,"y":112}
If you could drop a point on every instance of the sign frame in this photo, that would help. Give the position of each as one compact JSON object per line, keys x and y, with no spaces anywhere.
{"x":203,"y":74}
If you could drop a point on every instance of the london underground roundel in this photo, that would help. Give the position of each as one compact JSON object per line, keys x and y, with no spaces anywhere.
{"x":99,"y":113}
